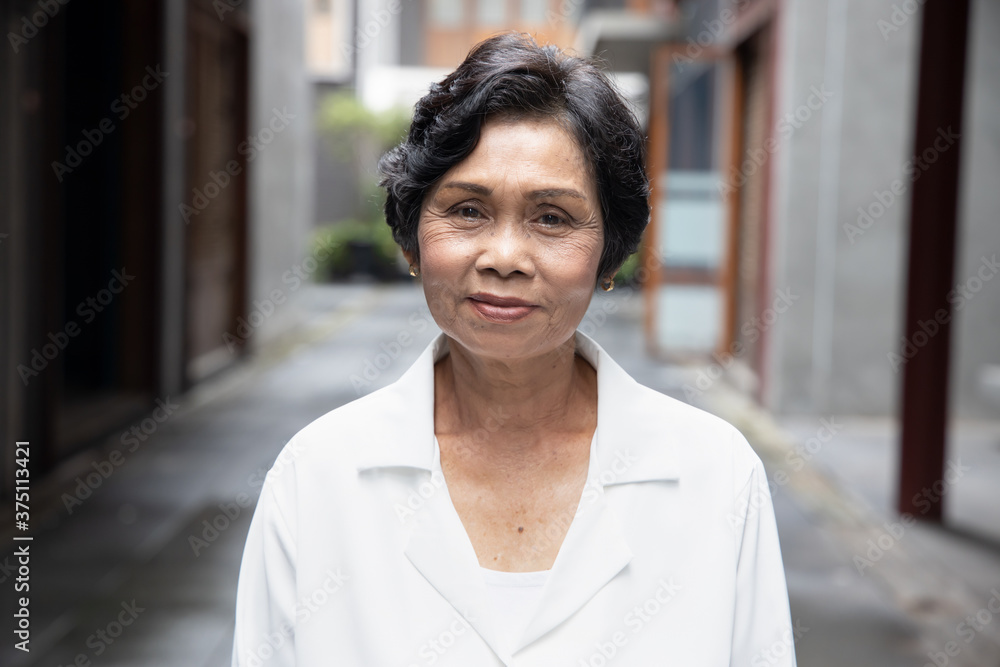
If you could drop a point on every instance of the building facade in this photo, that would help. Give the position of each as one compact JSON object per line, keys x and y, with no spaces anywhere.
{"x":781,"y":145}
{"x":156,"y":185}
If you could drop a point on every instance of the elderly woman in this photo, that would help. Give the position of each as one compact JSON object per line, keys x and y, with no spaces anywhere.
{"x":515,"y":498}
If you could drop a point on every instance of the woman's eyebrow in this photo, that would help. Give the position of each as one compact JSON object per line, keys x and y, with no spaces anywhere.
{"x":546,"y":193}
{"x":474,"y":188}
{"x":556,"y":192}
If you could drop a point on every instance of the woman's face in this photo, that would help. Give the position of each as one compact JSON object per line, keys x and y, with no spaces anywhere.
{"x":510,"y":239}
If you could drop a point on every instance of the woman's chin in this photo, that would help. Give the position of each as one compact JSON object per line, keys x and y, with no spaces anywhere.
{"x":504,"y":342}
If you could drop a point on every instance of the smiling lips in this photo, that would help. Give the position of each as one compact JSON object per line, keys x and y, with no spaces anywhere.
{"x":502,"y":309}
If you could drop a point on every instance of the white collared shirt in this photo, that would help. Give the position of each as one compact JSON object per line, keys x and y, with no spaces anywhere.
{"x":356,"y":555}
{"x":513,"y":597}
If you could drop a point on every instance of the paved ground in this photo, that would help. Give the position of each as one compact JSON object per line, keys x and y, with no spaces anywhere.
{"x":140,"y":567}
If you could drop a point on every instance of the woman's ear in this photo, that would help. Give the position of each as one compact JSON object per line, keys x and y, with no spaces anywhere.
{"x":610,"y":274}
{"x":411,"y":257}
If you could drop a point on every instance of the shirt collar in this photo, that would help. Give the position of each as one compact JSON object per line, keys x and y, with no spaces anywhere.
{"x":635,"y":439}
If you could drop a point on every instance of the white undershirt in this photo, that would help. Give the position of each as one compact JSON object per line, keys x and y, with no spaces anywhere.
{"x":513,"y":597}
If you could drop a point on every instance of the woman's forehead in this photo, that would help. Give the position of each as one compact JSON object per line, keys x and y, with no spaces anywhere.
{"x":539,"y":151}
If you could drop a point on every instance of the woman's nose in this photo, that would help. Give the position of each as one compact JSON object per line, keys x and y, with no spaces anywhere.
{"x":507,"y":248}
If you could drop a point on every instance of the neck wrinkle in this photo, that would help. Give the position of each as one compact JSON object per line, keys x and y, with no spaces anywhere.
{"x":531,"y":398}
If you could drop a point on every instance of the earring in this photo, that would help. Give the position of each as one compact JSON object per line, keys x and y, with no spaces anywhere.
{"x":414,"y":270}
{"x":608,"y":285}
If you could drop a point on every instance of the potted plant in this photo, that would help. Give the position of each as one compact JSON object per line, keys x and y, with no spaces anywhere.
{"x":362,"y":244}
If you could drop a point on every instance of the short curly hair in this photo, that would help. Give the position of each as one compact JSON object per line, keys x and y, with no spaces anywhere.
{"x":511,"y":76}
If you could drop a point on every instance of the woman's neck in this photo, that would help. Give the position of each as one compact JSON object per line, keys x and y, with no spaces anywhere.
{"x":514,"y":408}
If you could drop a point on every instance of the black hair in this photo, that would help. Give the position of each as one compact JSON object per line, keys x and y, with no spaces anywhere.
{"x":510,"y":75}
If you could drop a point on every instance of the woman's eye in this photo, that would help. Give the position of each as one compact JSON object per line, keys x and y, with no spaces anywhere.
{"x":469,"y":212}
{"x":550,"y":219}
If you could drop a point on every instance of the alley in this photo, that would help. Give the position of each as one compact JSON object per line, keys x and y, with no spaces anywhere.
{"x":138,"y":566}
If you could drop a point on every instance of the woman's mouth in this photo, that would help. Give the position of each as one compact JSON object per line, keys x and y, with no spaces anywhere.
{"x":501,"y":309}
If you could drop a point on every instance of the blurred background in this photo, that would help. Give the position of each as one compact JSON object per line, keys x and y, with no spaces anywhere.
{"x":193,"y":265}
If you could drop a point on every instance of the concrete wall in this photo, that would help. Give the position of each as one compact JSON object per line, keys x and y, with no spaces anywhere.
{"x":829,"y":353}
{"x":976,"y":338}
{"x":378,"y":47}
{"x":336,"y":180}
{"x":281,"y":175}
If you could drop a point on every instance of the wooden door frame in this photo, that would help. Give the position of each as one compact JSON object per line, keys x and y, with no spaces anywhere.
{"x":658,"y":163}
{"x":201,"y":15}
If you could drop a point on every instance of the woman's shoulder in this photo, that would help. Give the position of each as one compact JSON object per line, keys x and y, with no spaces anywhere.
{"x":344,"y":429}
{"x":698,"y":440}
{"x":649,"y":415}
{"x":332,"y":442}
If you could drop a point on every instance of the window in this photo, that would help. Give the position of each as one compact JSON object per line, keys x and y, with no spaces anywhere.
{"x":446,"y":13}
{"x":534,"y":11}
{"x":491,"y":12}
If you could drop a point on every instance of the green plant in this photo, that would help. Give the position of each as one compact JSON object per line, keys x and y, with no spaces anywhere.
{"x":342,"y":248}
{"x":347,"y":125}
{"x":358,"y":136}
{"x":626,"y":274}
